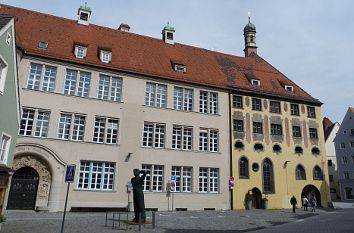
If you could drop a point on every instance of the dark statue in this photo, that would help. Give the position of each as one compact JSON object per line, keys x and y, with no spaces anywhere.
{"x":138,"y":195}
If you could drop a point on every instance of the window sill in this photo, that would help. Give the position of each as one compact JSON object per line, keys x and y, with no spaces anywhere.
{"x":92,"y":190}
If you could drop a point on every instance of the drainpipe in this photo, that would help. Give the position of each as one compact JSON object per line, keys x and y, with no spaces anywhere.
{"x":231,"y":148}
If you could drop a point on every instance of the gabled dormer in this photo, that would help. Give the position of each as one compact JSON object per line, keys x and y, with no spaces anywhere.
{"x":84,"y":14}
{"x":168,"y":34}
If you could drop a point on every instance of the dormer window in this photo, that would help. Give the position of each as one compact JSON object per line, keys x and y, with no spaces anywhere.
{"x":289,"y":88}
{"x":80,"y":51}
{"x":105,"y":56}
{"x":255,"y":82}
{"x":43,"y":45}
{"x":180,"y":68}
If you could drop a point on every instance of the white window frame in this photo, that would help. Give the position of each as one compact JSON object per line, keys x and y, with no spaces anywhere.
{"x":105,"y":56}
{"x":41,"y":77}
{"x":208,"y":182}
{"x":184,"y":178}
{"x":154,"y":135}
{"x":98,"y":174}
{"x":42,"y":123}
{"x":183,"y":99}
{"x":110,"y":88}
{"x":71,"y":130}
{"x":182,"y":137}
{"x":27,"y":122}
{"x":5,"y":144}
{"x":209,"y":140}
{"x":156,"y":95}
{"x":106,"y":132}
{"x":154,"y":179}
{"x":255,"y":82}
{"x":208,"y":102}
{"x":289,"y":88}
{"x":80,"y":51}
{"x":3,"y":74}
{"x":180,"y":68}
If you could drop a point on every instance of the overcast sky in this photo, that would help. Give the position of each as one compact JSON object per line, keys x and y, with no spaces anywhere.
{"x":310,"y":41}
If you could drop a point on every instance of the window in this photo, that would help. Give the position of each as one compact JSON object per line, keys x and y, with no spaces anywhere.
{"x":313,"y":133}
{"x":298,"y":150}
{"x":238,"y":125}
{"x":311,"y":112}
{"x":183,"y":178}
{"x":180,"y":68}
{"x":182,"y":137}
{"x":80,"y":51}
{"x":209,"y":180}
{"x":71,"y":126}
{"x":183,"y":99}
{"x":154,"y":178}
{"x":208,"y":102}
{"x":300,"y":173}
{"x":209,"y":140}
{"x":243,"y":168}
{"x":329,"y":163}
{"x":37,"y":118}
{"x":257,"y":127}
{"x":315,"y":151}
{"x":289,"y":88}
{"x":156,"y":95}
{"x":105,"y":56}
{"x":294,"y":110}
{"x":352,"y":158}
{"x":237,"y":101}
{"x":276,"y":129}
{"x":4,"y":147}
{"x":3,"y":73}
{"x":352,"y":144}
{"x":268,"y":176}
{"x":41,"y":77}
{"x":73,"y":86}
{"x":346,"y":175}
{"x":239,"y":145}
{"x":106,"y":130}
{"x":331,"y":178}
{"x":109,"y":88}
{"x":277,"y":148}
{"x":297,"y":131}
{"x":154,"y":135}
{"x":255,"y":82}
{"x":96,"y":175}
{"x":348,"y":192}
{"x":342,"y":145}
{"x":274,"y":107}
{"x":352,"y":132}
{"x":317,"y":173}
{"x":258,"y":147}
{"x":42,"y":45}
{"x":256,"y":104}
{"x":344,"y":160}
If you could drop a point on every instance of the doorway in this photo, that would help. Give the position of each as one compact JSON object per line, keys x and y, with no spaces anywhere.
{"x":311,"y":191}
{"x":23,"y":190}
{"x":256,"y":198}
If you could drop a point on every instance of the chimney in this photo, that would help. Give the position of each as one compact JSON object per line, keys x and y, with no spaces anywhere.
{"x":84,"y":14}
{"x":168,"y":34}
{"x":124,"y":27}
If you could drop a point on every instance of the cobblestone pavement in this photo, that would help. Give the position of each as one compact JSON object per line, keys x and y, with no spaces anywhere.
{"x":166,"y":222}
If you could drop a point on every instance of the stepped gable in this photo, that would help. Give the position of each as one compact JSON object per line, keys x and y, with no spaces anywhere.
{"x":147,"y":56}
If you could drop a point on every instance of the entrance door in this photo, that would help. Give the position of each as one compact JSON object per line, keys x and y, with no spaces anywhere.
{"x":311,"y":191}
{"x":23,"y":191}
{"x":256,"y":198}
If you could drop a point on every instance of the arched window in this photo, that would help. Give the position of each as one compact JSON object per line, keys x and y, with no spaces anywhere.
{"x":300,"y":173}
{"x":268,"y":176}
{"x":243,"y":168}
{"x":317,"y":173}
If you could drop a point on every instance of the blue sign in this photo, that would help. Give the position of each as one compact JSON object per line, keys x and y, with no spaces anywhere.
{"x":70,"y":173}
{"x":173,"y":178}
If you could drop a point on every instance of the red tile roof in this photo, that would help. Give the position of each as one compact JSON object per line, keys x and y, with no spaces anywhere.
{"x":147,"y":56}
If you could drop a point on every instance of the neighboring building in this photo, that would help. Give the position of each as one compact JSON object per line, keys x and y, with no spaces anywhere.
{"x":9,"y":102}
{"x":344,"y":144}
{"x":277,"y":137}
{"x":110,"y":101}
{"x":330,"y":131}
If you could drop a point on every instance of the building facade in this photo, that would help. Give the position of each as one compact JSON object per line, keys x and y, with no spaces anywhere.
{"x":110,"y":101}
{"x":344,"y":145}
{"x":331,"y":130}
{"x":9,"y":102}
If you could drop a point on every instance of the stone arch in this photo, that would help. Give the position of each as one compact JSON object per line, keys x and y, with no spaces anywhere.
{"x":45,"y":162}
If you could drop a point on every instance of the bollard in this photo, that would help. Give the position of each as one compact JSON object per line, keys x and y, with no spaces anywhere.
{"x":113,"y":221}
{"x":127,"y":221}
{"x":139,"y":221}
{"x":106,"y":218}
{"x":119,"y":220}
{"x":153,"y":219}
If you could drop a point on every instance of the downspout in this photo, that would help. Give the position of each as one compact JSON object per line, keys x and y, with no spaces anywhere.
{"x":231,"y":148}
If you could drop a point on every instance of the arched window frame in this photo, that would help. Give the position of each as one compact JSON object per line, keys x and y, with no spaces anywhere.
{"x":317,"y":173}
{"x":243,"y":167}
{"x":268,"y":176}
{"x":300,"y":173}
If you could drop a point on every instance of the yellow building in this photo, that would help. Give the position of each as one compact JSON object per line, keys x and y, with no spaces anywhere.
{"x":278,"y":142}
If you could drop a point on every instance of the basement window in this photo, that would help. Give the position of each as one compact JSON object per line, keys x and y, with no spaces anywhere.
{"x":80,"y":51}
{"x":289,"y":88}
{"x":42,"y":45}
{"x":255,"y":82}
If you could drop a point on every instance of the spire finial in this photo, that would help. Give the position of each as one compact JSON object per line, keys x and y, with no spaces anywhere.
{"x":249,"y":17}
